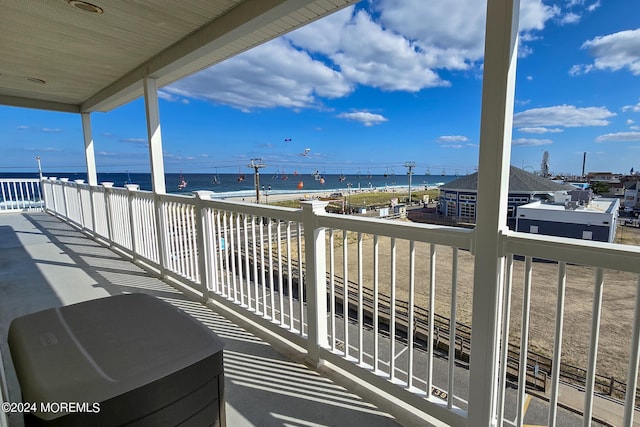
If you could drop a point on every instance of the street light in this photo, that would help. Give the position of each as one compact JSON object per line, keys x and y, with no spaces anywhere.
{"x":410,"y":166}
{"x":266,"y":193}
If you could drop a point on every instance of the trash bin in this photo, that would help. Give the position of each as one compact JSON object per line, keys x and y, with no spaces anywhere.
{"x":118,"y":360}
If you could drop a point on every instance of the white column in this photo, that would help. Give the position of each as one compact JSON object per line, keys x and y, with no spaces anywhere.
{"x":89,"y":152}
{"x":493,"y":179}
{"x":154,"y":135}
{"x":315,"y":279}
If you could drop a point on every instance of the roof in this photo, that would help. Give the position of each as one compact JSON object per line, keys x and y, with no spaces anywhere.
{"x":597,"y":206}
{"x":76,"y":56}
{"x":520,"y":181}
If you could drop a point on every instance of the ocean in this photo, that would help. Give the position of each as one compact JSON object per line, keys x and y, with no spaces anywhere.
{"x":241,"y":185}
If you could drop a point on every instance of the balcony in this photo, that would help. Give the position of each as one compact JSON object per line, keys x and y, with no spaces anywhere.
{"x":48,"y":263}
{"x":258,"y":274}
{"x":431,"y":324}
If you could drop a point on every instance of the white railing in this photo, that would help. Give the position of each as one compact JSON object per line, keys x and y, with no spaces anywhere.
{"x":620,"y":265}
{"x":20,"y":195}
{"x":367,"y":295}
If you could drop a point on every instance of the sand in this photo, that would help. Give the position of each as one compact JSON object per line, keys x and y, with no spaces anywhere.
{"x":617,"y":305}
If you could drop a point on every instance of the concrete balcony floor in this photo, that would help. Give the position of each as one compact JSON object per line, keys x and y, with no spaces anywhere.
{"x":46,"y":263}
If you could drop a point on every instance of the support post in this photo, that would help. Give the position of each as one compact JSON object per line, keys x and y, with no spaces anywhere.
{"x":202,"y":233}
{"x":498,"y":90}
{"x":154,"y":135}
{"x":315,"y":278}
{"x":89,"y":152}
{"x":90,"y":159}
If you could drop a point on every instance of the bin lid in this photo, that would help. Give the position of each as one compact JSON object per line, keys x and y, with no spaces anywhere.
{"x":98,"y":349}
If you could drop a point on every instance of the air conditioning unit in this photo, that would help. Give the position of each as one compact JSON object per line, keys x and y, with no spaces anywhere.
{"x":118,"y":360}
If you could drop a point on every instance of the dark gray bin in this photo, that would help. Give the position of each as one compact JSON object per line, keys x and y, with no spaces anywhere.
{"x":141,"y":360}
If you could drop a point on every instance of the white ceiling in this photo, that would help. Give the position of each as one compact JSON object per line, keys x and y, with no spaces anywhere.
{"x":55,"y":56}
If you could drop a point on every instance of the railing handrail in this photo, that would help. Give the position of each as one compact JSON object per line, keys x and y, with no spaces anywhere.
{"x":180,"y":223}
{"x":19,"y":180}
{"x":574,"y":251}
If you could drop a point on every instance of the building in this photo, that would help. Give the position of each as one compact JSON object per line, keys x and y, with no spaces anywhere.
{"x":596,"y":220}
{"x":458,"y":198}
{"x":631,"y":195}
{"x":608,"y":177}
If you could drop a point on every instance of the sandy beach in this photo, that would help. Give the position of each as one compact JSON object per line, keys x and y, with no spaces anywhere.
{"x":302,"y":195}
{"x":618,"y":299}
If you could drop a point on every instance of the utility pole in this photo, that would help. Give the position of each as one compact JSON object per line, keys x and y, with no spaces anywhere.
{"x":256,"y":165}
{"x":409,"y":166}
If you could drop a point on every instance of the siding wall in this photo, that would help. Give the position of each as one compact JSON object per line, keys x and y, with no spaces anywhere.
{"x":563,"y":229}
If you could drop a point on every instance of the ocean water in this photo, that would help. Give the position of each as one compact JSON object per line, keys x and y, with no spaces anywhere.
{"x":236,"y":185}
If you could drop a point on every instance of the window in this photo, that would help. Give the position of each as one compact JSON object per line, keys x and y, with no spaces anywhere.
{"x":452,"y":209}
{"x":468,"y":210}
{"x":518,"y":200}
{"x":587,"y":235}
{"x":533,"y":229}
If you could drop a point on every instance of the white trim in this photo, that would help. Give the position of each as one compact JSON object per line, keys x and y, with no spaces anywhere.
{"x":155,"y":135}
{"x":89,"y":152}
{"x":498,"y":91}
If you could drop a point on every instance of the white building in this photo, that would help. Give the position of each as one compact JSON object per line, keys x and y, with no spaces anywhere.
{"x":595,"y":221}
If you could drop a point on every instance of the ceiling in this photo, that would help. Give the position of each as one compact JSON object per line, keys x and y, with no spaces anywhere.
{"x":75,"y":56}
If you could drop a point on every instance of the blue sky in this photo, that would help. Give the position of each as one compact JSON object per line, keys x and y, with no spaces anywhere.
{"x":372,"y":87}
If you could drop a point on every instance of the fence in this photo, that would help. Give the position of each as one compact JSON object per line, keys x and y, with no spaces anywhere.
{"x":280,"y":266}
{"x":20,"y":195}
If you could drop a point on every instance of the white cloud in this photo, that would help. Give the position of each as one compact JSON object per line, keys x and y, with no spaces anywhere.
{"x":570,"y":18}
{"x":22,"y":127}
{"x":166,"y":96}
{"x":324,"y":36}
{"x":452,"y":31}
{"x":579,"y":69}
{"x":134,"y":140}
{"x":593,"y":6}
{"x":633,"y":108}
{"x":452,"y":138}
{"x":52,"y":130}
{"x":43,"y":149}
{"x":573,"y":10}
{"x":273,"y":75}
{"x":402,"y":45}
{"x":364,"y":117}
{"x":539,"y":130}
{"x":563,"y":115}
{"x":630,"y":122}
{"x":530,"y":142}
{"x":452,"y":146}
{"x":619,"y":137}
{"x":612,"y":52}
{"x":373,"y":56}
